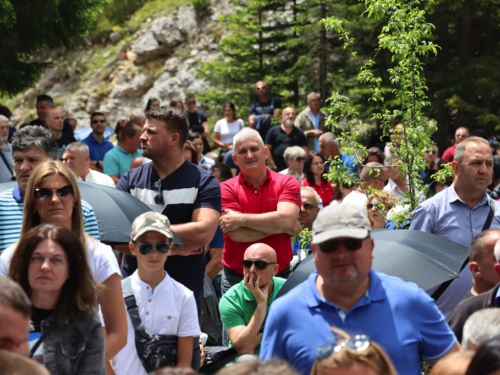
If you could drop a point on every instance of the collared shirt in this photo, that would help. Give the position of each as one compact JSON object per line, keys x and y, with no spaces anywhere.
{"x":95,"y":177}
{"x":97,"y":149}
{"x":394,"y":189}
{"x":448,"y":216}
{"x":397,"y":315}
{"x":240,"y":195}
{"x":315,"y":122}
{"x":117,"y":161}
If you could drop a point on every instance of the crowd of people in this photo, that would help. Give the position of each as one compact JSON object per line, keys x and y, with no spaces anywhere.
{"x":198,"y":286}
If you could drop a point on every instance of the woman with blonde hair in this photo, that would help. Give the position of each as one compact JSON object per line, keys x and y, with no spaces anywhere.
{"x":377,"y":207}
{"x":353,"y":355}
{"x":53,"y":197}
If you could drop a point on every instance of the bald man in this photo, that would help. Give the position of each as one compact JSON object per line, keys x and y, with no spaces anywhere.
{"x":55,"y":123}
{"x":244,"y":306}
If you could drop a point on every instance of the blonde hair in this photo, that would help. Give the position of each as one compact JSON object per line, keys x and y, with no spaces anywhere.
{"x":385,"y":198}
{"x":373,"y":356}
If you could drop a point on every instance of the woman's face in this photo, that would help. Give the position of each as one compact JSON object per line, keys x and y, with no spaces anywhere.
{"x":198,"y":145}
{"x":375,"y":215}
{"x":188,"y":155}
{"x":317,"y":166}
{"x":48,"y":269}
{"x":155,"y":104}
{"x":54,"y":201}
{"x":228,"y":113}
{"x":354,"y":369}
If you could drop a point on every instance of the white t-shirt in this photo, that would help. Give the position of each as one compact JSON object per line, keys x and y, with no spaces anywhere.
{"x":102,"y":260}
{"x":356,"y":199}
{"x":169,"y":310}
{"x":99,"y":178}
{"x":228,"y":130}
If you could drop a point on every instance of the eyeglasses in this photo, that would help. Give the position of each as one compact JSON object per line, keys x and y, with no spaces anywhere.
{"x":98,"y":121}
{"x":350,"y":244}
{"x":64,"y":192}
{"x":307,"y":206}
{"x":259,"y":264}
{"x":430,"y":152}
{"x":358,"y":343}
{"x":146,"y":247}
{"x":159,"y":196}
{"x":369,"y":206}
{"x":300,"y":158}
{"x":384,"y":181}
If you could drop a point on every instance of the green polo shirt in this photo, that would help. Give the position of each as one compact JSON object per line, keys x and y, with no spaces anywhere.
{"x":238,"y":305}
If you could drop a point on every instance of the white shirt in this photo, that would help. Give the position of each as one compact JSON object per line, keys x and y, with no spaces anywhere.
{"x":228,"y":130}
{"x":169,"y":310}
{"x":356,"y":199}
{"x":96,"y":177}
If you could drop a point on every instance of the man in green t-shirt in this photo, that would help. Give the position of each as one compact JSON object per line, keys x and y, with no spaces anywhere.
{"x":244,"y":306}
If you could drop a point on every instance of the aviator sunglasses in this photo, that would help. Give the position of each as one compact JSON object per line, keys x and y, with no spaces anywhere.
{"x":64,"y":192}
{"x":159,"y":196}
{"x":350,"y":244}
{"x":146,"y":247}
{"x":259,"y":264}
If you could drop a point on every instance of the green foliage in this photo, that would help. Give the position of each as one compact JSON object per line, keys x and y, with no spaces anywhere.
{"x":305,"y":238}
{"x":201,"y":4}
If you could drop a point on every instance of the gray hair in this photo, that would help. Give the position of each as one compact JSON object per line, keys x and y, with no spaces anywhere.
{"x":35,"y":136}
{"x":496,"y":251}
{"x":481,"y":326}
{"x":313,"y":93}
{"x":4,"y":118}
{"x":247,"y":133}
{"x":13,"y":295}
{"x":80,"y":147}
{"x":460,"y":149}
{"x":371,"y":171}
{"x":329,"y":138}
{"x":311,"y":190}
{"x":292,"y":152}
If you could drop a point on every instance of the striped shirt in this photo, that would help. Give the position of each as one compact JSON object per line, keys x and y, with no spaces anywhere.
{"x":11,"y":218}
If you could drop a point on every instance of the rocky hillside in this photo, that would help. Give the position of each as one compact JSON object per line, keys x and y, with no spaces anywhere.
{"x":118,"y":75}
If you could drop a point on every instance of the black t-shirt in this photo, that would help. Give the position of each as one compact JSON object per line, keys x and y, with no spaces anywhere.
{"x":65,"y":140}
{"x":279,"y":140}
{"x":196,"y":120}
{"x":37,"y":316}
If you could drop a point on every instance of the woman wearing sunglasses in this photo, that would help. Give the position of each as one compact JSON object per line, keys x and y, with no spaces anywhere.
{"x":377,"y":207}
{"x":50,"y":265}
{"x":355,"y":355}
{"x":314,"y":168}
{"x":52,"y":197}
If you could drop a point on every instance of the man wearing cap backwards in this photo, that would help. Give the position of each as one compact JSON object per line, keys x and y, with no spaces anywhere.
{"x":165,"y":306}
{"x":346,"y":293}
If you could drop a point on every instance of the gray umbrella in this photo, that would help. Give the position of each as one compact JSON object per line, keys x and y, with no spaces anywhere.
{"x":114,"y":209}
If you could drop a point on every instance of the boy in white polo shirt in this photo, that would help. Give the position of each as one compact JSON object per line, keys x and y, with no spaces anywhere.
{"x":165,"y":307}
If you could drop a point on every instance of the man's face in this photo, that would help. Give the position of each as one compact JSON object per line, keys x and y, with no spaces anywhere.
{"x":261,"y":252}
{"x":42,"y":108}
{"x":24,"y":163}
{"x":55,"y":119}
{"x":381,"y":179}
{"x":343,"y":266}
{"x":14,"y":330}
{"x":77,"y":162}
{"x":461,"y":135}
{"x":309,"y":209}
{"x":475,"y":171}
{"x":250,"y":155}
{"x":155,"y":139}
{"x":191,"y":104}
{"x":395,"y":172}
{"x":98,"y":124}
{"x":486,"y":262}
{"x":261,"y":88}
{"x":288,"y":116}
{"x":328,"y":150}
{"x":4,"y":131}
{"x":314,"y":102}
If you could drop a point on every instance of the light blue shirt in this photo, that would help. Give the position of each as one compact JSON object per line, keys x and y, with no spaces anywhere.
{"x":315,"y":121}
{"x":448,"y":216}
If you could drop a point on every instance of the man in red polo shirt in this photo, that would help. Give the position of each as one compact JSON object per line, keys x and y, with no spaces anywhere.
{"x":258,"y":205}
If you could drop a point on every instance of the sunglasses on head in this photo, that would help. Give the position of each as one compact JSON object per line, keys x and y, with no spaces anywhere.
{"x":146,"y":247}
{"x":259,"y":264}
{"x":64,"y":192}
{"x":159,"y":196}
{"x":98,"y":121}
{"x":350,"y":244}
{"x":358,"y":343}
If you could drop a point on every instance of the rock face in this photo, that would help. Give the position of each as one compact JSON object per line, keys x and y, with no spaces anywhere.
{"x":160,"y":61}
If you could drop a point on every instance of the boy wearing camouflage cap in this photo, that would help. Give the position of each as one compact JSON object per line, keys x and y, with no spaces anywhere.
{"x":165,"y":307}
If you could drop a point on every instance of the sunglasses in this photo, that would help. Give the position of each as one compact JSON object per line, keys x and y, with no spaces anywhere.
{"x":307,"y":206}
{"x":146,"y":247}
{"x":379,"y":206}
{"x":259,"y":264}
{"x":300,"y":158}
{"x":350,"y":244}
{"x":98,"y":121}
{"x":358,"y":343}
{"x":261,"y":88}
{"x":159,"y":196}
{"x":384,"y":181}
{"x":64,"y":192}
{"x":191,"y":102}
{"x":430,"y":152}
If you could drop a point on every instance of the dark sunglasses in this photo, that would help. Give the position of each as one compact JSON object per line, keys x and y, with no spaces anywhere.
{"x":191,"y":102}
{"x":430,"y":152}
{"x":159,"y":196}
{"x":379,"y":206}
{"x":98,"y":121}
{"x":358,"y":343}
{"x":350,"y":244}
{"x":307,"y":206}
{"x":300,"y":158}
{"x":146,"y":247}
{"x":64,"y":192}
{"x":259,"y":264}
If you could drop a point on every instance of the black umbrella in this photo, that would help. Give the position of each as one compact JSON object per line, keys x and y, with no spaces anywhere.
{"x":114,"y":209}
{"x":426,"y":259}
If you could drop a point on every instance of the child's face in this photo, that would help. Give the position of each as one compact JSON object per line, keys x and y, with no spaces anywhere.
{"x":154,"y":261}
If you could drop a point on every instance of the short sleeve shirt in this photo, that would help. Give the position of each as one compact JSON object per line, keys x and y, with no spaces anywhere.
{"x":196,"y":120}
{"x":97,"y":149}
{"x":265,"y":108}
{"x":241,"y":196}
{"x":117,"y":161}
{"x":280,"y":140}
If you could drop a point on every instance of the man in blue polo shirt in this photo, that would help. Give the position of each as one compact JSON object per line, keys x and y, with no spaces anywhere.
{"x":346,"y":293}
{"x":31,"y":146}
{"x":98,"y":145}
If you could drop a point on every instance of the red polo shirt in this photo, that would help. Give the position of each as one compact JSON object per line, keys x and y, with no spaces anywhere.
{"x":241,"y":196}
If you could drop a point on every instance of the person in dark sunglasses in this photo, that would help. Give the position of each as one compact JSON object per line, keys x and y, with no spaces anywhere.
{"x":346,"y":293}
{"x":294,"y":158}
{"x":98,"y":144}
{"x":244,"y":306}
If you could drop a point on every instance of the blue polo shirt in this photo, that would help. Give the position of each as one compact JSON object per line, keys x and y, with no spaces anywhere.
{"x":397,"y":315}
{"x":97,"y":150}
